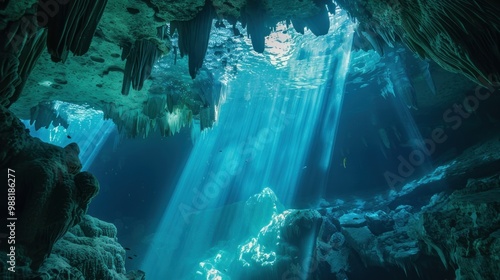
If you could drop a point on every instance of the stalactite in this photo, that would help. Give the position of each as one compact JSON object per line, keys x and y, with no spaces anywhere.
{"x":44,"y":114}
{"x":9,"y":77}
{"x":194,"y":35}
{"x":161,"y":32}
{"x":365,"y":31}
{"x":254,"y":17}
{"x":319,"y":23}
{"x":170,"y":103}
{"x":23,"y":44}
{"x":299,"y":25}
{"x":155,"y":106}
{"x":162,"y":124}
{"x":72,"y":27}
{"x":28,"y":58}
{"x":140,"y":60}
{"x":460,"y":35}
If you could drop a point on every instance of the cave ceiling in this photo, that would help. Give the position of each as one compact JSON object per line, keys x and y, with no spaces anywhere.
{"x":102,"y":53}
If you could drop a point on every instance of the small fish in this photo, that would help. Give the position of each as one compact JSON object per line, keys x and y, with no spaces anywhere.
{"x":135,"y":255}
{"x":69,"y":137}
{"x":129,"y":258}
{"x":126,"y":248}
{"x":344,"y":161}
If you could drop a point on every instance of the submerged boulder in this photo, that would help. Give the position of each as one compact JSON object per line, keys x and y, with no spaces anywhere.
{"x":464,"y":229}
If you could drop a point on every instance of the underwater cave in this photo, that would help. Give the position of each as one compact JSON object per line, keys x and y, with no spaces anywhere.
{"x":250,"y":139}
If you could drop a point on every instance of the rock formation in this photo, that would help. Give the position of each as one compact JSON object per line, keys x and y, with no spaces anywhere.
{"x":88,"y":250}
{"x":52,"y":194}
{"x":54,"y":237}
{"x":464,"y":229}
{"x":345,"y":241}
{"x":461,"y":36}
{"x":442,"y":31}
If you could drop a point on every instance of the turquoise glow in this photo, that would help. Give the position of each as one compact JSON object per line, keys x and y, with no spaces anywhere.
{"x":262,"y":139}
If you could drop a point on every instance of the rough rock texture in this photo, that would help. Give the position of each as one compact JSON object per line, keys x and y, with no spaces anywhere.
{"x":461,"y":36}
{"x":14,"y":10}
{"x":70,"y":25}
{"x":44,"y":114}
{"x":276,"y":9}
{"x":88,"y":250}
{"x":177,"y":10}
{"x":464,"y":229}
{"x":282,"y":246}
{"x":392,"y":247}
{"x":251,"y":217}
{"x":228,"y":9}
{"x":123,"y":23}
{"x":451,"y":235}
{"x":480,"y":160}
{"x":18,"y":55}
{"x":20,"y":49}
{"x":459,"y":42}
{"x":168,"y":101}
{"x":331,"y":249}
{"x":51,"y":193}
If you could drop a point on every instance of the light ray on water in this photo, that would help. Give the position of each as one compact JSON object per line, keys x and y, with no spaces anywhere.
{"x":264,"y":134}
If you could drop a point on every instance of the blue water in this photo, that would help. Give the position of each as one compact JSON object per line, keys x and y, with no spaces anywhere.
{"x":271,"y":123}
{"x":88,"y":129}
{"x":321,"y":163}
{"x":277,"y":128}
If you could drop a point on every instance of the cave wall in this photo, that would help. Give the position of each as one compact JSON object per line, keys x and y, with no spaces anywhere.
{"x":461,"y":36}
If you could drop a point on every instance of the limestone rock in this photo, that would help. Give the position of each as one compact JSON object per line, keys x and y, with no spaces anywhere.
{"x":277,"y":249}
{"x":15,"y":10}
{"x":352,"y":220}
{"x":89,"y":250}
{"x":379,"y":222}
{"x":464,"y":230}
{"x":436,"y":30}
{"x":178,"y":10}
{"x":52,"y":194}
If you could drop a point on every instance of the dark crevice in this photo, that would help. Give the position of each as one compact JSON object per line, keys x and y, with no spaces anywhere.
{"x":113,"y":68}
{"x":3,"y":4}
{"x":133,"y":11}
{"x":97,"y":59}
